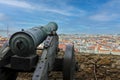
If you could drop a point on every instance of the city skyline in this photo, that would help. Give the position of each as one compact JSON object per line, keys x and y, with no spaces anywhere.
{"x":72,"y":16}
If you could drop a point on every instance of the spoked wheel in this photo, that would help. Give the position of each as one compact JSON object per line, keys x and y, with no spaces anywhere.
{"x":68,"y":63}
{"x":7,"y":74}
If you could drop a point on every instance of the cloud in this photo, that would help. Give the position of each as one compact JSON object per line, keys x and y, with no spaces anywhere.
{"x":104,"y":17}
{"x":45,"y":8}
{"x":58,"y":7}
{"x":107,"y":12}
{"x":20,"y":4}
{"x":26,"y":5}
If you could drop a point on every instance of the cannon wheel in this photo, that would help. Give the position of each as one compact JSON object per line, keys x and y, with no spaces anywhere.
{"x":68,"y":63}
{"x":8,"y":74}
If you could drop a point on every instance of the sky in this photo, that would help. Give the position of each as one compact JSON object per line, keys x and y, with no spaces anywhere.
{"x":72,"y":16}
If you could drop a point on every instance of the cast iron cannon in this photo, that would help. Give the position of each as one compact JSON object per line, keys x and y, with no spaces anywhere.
{"x":19,"y":54}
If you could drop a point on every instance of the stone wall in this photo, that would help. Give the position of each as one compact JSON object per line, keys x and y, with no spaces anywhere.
{"x":91,"y":67}
{"x":98,"y":67}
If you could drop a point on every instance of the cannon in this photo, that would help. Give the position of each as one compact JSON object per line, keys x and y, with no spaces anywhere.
{"x":19,"y":54}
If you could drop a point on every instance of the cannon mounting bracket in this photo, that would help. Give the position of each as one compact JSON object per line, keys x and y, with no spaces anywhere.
{"x":23,"y":63}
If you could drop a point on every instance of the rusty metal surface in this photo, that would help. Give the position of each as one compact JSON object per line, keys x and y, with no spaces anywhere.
{"x":5,"y":54}
{"x":47,"y":59}
{"x":68,"y":63}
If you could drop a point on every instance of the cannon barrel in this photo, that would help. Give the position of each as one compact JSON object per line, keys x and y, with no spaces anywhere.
{"x":24,"y":43}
